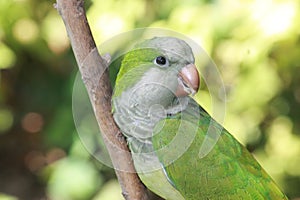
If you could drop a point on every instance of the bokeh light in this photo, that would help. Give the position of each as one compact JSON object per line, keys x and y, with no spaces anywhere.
{"x":25,"y":30}
{"x":8,"y":57}
{"x":274,"y":17}
{"x":68,"y":178}
{"x":32,"y":122}
{"x":6,"y":120}
{"x":56,"y":38}
{"x":35,"y":161}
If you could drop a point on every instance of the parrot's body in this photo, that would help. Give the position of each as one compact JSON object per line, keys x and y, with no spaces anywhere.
{"x":166,"y":130}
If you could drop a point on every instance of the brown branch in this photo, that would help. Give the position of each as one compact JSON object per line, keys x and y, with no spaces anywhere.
{"x":94,"y":73}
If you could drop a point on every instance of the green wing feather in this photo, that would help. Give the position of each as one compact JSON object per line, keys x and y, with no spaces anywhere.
{"x":228,"y":171}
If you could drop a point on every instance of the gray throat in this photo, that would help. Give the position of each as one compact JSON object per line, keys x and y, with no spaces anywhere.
{"x":137,"y":120}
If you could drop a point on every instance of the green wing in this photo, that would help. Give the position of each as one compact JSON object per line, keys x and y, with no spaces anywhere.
{"x":228,"y":171}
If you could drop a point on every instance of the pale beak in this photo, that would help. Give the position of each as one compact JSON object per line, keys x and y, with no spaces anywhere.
{"x":188,"y":81}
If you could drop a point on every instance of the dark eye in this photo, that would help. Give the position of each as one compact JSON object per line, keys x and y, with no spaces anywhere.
{"x":161,"y":61}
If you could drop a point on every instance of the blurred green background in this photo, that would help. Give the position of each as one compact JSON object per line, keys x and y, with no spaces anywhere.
{"x":255,"y":44}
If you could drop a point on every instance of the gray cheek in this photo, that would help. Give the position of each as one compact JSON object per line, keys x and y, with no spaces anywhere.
{"x":152,"y":94}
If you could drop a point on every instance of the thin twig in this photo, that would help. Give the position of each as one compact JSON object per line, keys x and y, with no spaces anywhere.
{"x":95,"y":76}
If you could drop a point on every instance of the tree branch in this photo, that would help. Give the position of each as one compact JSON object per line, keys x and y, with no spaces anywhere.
{"x":94,"y":73}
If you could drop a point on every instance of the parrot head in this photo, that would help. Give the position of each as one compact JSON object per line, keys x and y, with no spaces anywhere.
{"x":154,"y":80}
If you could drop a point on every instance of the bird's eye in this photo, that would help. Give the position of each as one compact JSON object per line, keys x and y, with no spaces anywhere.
{"x":161,"y":61}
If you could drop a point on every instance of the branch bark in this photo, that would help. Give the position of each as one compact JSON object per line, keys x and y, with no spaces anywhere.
{"x":94,"y":73}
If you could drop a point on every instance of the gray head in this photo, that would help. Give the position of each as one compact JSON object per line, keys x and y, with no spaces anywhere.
{"x":173,"y":48}
{"x":153,"y":80}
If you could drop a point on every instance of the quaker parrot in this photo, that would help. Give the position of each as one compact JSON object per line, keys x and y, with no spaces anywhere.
{"x":179,"y":151}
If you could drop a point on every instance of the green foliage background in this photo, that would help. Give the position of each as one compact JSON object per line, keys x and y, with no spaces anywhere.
{"x":255,"y":44}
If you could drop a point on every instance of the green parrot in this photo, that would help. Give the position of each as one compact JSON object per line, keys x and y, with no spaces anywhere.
{"x":179,"y":151}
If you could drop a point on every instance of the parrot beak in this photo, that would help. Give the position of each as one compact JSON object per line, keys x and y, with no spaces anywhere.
{"x":188,"y":81}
